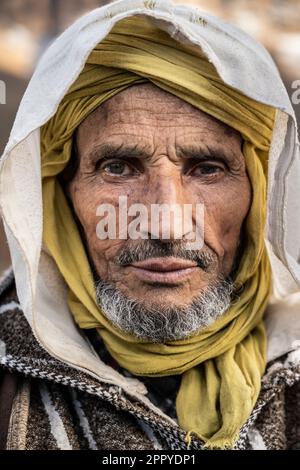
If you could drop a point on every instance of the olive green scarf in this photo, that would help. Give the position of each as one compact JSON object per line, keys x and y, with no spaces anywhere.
{"x":221,"y":366}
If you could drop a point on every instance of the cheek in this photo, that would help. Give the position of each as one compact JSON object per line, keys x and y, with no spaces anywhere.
{"x":86,"y":200}
{"x":225,"y":211}
{"x":234,"y":208}
{"x":85,"y":205}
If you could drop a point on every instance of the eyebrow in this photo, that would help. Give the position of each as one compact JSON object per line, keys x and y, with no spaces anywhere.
{"x":111,"y":150}
{"x":204,"y":151}
{"x":127,"y":151}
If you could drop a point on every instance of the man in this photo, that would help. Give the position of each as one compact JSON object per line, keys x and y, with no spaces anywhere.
{"x":123,"y":335}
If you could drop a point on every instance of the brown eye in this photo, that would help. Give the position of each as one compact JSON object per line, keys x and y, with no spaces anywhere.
{"x":116,"y":168}
{"x":207,"y":170}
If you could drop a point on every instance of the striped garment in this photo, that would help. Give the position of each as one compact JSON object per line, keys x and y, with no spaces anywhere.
{"x":47,"y":404}
{"x":162,"y":391}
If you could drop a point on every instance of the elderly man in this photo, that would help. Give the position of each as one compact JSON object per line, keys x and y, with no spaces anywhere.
{"x":120,"y":334}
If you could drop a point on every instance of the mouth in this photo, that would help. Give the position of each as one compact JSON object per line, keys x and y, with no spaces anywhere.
{"x":168,"y":270}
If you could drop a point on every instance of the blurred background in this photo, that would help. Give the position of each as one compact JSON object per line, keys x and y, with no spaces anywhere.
{"x":27,"y":27}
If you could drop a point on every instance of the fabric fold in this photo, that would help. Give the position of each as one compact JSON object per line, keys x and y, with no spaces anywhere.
{"x":221,"y":366}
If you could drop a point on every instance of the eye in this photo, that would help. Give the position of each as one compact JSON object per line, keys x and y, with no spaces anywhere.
{"x":207,"y":169}
{"x":117,"y":168}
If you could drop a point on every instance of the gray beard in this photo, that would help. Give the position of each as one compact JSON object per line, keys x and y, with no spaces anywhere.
{"x":160,"y":324}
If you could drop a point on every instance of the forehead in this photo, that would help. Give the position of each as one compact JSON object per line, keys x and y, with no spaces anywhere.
{"x":149,"y":106}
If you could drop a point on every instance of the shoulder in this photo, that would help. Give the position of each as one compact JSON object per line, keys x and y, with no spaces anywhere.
{"x":9,"y":308}
{"x":276,"y":421}
{"x":8,"y":380}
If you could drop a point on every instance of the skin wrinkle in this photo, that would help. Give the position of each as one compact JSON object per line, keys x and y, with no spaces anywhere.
{"x":143,"y":116}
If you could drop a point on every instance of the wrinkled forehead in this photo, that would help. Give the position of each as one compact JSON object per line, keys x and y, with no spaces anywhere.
{"x":148,"y":106}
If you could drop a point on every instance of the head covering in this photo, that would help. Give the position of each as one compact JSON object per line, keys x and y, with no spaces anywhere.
{"x":244,"y":66}
{"x":222,"y":365}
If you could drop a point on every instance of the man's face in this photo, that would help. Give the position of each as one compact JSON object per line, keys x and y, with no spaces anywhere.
{"x":154,"y":148}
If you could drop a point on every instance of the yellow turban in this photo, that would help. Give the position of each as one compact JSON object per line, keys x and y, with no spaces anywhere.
{"x":222,"y":365}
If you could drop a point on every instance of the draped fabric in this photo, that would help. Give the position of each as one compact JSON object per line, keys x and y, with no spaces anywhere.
{"x":222,"y":365}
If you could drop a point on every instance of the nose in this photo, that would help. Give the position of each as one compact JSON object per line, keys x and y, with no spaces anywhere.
{"x":167,"y":210}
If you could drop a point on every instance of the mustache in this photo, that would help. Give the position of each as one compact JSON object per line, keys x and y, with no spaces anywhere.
{"x":152,"y":248}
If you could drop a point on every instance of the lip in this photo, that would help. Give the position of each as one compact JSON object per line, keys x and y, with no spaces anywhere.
{"x":164,"y":270}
